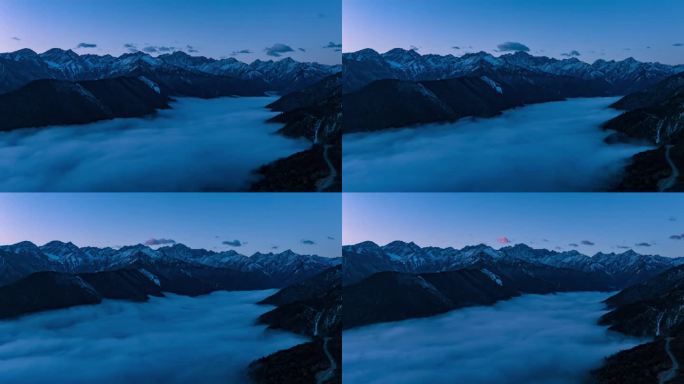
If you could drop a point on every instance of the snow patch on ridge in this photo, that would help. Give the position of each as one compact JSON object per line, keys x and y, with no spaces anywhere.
{"x":492,"y":84}
{"x":150,"y":276}
{"x":492,"y":276}
{"x":150,"y":83}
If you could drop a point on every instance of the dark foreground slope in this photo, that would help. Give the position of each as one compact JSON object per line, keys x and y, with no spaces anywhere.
{"x":312,"y":308}
{"x":391,"y":296}
{"x":650,"y":309}
{"x":483,"y":93}
{"x":642,"y":364}
{"x":654,"y":115}
{"x":314,"y":113}
{"x":396,"y":103}
{"x":403,"y":280}
{"x":51,"y":290}
{"x":54,"y":102}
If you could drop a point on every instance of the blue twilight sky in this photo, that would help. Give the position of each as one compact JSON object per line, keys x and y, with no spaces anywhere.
{"x":648,"y":30}
{"x":647,"y":223}
{"x":305,"y":223}
{"x":215,"y":28}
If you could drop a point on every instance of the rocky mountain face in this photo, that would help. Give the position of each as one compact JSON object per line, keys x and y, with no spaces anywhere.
{"x":52,"y":290}
{"x":615,"y":78}
{"x":178,"y":268}
{"x":313,"y":308}
{"x":392,"y":296}
{"x":651,"y":309}
{"x":602,"y":271}
{"x":643,"y":364}
{"x":654,"y":115}
{"x":403,"y":280}
{"x":56,"y":102}
{"x":182,"y":72}
{"x":62,"y":87}
{"x":482,"y":93}
{"x":61,"y":275}
{"x":314,"y":113}
{"x":305,"y":363}
{"x":403,"y":88}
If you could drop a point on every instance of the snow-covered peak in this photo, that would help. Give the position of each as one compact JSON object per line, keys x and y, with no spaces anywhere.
{"x":474,"y":250}
{"x":410,"y":65}
{"x":362,"y":247}
{"x":60,"y":246}
{"x":363,"y":55}
{"x":59,"y":55}
{"x":21,"y":247}
{"x":20,"y":55}
{"x":495,"y":278}
{"x":134,"y":250}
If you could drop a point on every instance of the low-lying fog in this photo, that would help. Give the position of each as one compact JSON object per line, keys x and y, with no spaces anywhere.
{"x":545,"y":339}
{"x":544,"y":147}
{"x":177,"y":339}
{"x":197,"y":145}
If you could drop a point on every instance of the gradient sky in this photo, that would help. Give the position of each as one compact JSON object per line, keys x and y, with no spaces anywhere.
{"x":597,"y":29}
{"x":288,"y":221}
{"x":215,"y":28}
{"x":551,"y":220}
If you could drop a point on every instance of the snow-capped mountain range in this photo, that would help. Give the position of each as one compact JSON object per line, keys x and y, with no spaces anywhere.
{"x":621,"y":77}
{"x":277,"y":269}
{"x":23,"y":66}
{"x":620,"y":269}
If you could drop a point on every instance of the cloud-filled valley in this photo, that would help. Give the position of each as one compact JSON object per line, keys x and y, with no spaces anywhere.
{"x":199,"y":145}
{"x":554,"y":146}
{"x":549,"y":339}
{"x":176,"y":339}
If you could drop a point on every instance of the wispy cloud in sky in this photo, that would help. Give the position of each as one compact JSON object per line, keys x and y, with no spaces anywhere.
{"x":233,"y":243}
{"x":278,"y":49}
{"x":512,"y":46}
{"x":241,"y":52}
{"x":153,"y":242}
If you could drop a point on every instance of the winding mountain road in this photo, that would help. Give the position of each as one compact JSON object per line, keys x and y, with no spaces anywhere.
{"x":326,"y":375}
{"x":670,"y":374}
{"x":670,"y":181}
{"x":324,"y":184}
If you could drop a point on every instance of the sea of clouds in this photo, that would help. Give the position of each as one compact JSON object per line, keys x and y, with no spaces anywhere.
{"x":198,"y":145}
{"x":544,"y":147}
{"x":541,"y":339}
{"x":176,"y":339}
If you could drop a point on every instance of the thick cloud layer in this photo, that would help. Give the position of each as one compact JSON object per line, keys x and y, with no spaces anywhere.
{"x":545,"y":339}
{"x":545,"y":147}
{"x":208,"y":339}
{"x":198,"y":145}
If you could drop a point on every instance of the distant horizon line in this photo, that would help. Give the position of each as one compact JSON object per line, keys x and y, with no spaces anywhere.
{"x":511,"y":244}
{"x":501,"y":54}
{"x":220,"y":58}
{"x":157,"y":247}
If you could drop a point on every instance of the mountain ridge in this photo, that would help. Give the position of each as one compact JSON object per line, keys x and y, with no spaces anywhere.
{"x":20,"y":67}
{"x":273,"y":269}
{"x":627,"y":268}
{"x":367,"y":65}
